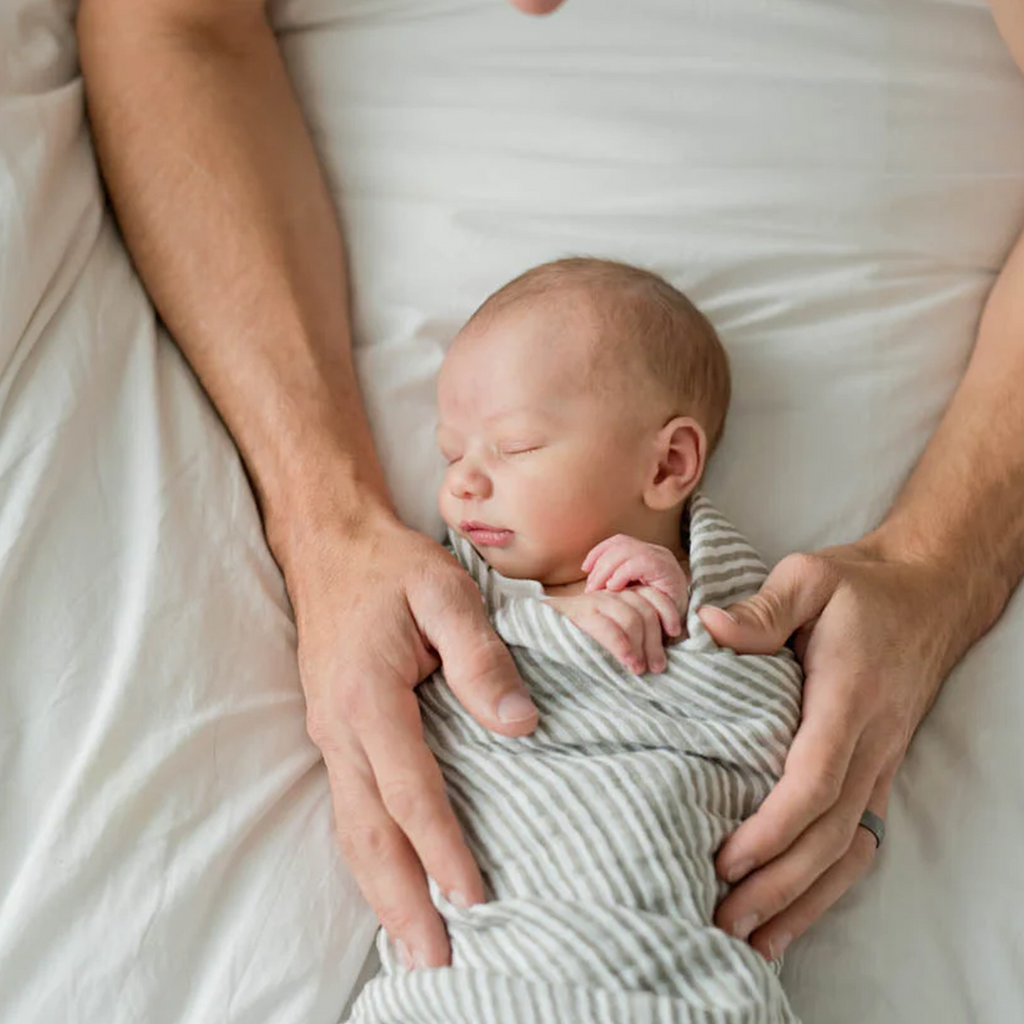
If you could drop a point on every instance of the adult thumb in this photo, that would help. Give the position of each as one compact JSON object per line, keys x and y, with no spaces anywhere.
{"x":793,"y":594}
{"x":477,"y":666}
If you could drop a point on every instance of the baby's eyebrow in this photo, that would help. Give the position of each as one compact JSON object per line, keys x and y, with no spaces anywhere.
{"x":525,"y":415}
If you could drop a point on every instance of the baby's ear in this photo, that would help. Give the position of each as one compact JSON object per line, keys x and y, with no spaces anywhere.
{"x":681,"y":447}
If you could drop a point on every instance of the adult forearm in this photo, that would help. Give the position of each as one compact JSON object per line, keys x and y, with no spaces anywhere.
{"x":963,"y":506}
{"x":224,"y":208}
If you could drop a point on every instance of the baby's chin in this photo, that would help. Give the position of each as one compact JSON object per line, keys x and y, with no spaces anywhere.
{"x":506,"y":562}
{"x":516,"y":565}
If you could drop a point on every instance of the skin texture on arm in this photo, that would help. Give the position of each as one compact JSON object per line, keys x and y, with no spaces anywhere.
{"x":879,"y":624}
{"x":224,"y":208}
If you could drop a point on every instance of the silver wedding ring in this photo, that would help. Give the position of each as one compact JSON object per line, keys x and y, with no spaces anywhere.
{"x":875,"y":824}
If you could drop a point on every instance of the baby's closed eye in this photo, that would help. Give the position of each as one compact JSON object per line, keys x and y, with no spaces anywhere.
{"x":517,"y":448}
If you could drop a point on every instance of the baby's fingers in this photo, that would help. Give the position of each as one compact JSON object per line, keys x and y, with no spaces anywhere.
{"x":606,"y":557}
{"x":602,"y":570}
{"x":598,"y":550}
{"x":642,"y":568}
{"x":649,"y":623}
{"x":621,"y":543}
{"x":652,"y":568}
{"x":615,"y":637}
{"x":668,"y":612}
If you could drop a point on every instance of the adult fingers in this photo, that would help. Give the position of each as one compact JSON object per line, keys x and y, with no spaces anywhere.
{"x":412,"y":788}
{"x":383,"y":862}
{"x":477,"y":666}
{"x":794,"y":593}
{"x":772,"y":940}
{"x":537,"y":6}
{"x":813,"y":779}
{"x":776,"y":934}
{"x":767,"y":892}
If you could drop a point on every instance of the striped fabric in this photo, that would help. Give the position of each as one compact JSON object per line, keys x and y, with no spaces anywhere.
{"x":596,"y":835}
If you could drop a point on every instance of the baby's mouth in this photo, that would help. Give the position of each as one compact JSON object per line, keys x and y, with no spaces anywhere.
{"x":485,"y":535}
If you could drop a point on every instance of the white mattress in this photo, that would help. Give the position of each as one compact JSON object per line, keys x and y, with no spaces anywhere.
{"x":835,"y":182}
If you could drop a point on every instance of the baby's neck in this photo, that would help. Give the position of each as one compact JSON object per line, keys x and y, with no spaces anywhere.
{"x":566,"y":589}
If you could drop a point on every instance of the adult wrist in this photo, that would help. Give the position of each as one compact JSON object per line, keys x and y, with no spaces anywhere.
{"x":965,"y":594}
{"x":336,"y":498}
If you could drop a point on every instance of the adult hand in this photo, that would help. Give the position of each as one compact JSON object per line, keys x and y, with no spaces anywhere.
{"x":377,"y":607}
{"x":876,"y":635}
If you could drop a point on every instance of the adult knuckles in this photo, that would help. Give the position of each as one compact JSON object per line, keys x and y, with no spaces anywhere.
{"x":863,"y":852}
{"x":439,"y":581}
{"x":396,"y":920}
{"x":769,"y":612}
{"x":780,"y":893}
{"x":838,"y":834}
{"x":368,"y":844}
{"x":807,"y":568}
{"x":321,"y":727}
{"x":825,"y":788}
{"x":486,"y":660}
{"x":353,"y":702}
{"x":407,"y":801}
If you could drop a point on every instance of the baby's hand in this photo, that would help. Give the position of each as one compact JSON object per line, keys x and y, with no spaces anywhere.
{"x":628,"y":624}
{"x":622,"y":561}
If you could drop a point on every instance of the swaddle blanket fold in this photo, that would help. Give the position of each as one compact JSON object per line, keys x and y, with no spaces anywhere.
{"x":596,"y":835}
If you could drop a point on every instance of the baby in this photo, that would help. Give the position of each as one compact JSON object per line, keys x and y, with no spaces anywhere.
{"x":577,"y":410}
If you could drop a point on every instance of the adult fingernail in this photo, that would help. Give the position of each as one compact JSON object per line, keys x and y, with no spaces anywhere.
{"x":745,"y":925}
{"x":777,"y":946}
{"x":456,"y":899}
{"x":516,"y":707}
{"x":404,"y":955}
{"x":739,"y":870}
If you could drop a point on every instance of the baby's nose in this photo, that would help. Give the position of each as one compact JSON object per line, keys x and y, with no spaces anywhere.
{"x":469,"y":482}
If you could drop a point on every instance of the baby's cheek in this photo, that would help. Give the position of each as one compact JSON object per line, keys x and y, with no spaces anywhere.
{"x":575,"y":524}
{"x":443,"y":504}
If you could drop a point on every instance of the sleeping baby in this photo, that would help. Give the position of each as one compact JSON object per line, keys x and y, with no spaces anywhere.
{"x":577,"y":410}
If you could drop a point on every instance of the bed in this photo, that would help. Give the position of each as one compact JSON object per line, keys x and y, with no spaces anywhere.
{"x":835,"y":182}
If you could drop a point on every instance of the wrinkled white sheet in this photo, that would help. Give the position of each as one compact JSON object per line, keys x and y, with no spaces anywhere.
{"x":835,"y":183}
{"x":165,"y":834}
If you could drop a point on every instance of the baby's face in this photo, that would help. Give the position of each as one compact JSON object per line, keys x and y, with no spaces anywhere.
{"x":541,"y":467}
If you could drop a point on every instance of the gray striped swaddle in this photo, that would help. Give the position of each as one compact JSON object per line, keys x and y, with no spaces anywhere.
{"x":596,"y":835}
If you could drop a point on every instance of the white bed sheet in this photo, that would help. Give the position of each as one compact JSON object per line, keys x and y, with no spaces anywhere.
{"x":166,"y":853}
{"x":835,"y":182}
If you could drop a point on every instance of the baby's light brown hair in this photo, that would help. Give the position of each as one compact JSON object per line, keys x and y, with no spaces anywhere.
{"x":668,"y":344}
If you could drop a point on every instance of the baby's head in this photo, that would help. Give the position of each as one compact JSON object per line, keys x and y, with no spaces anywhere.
{"x":580,"y":400}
